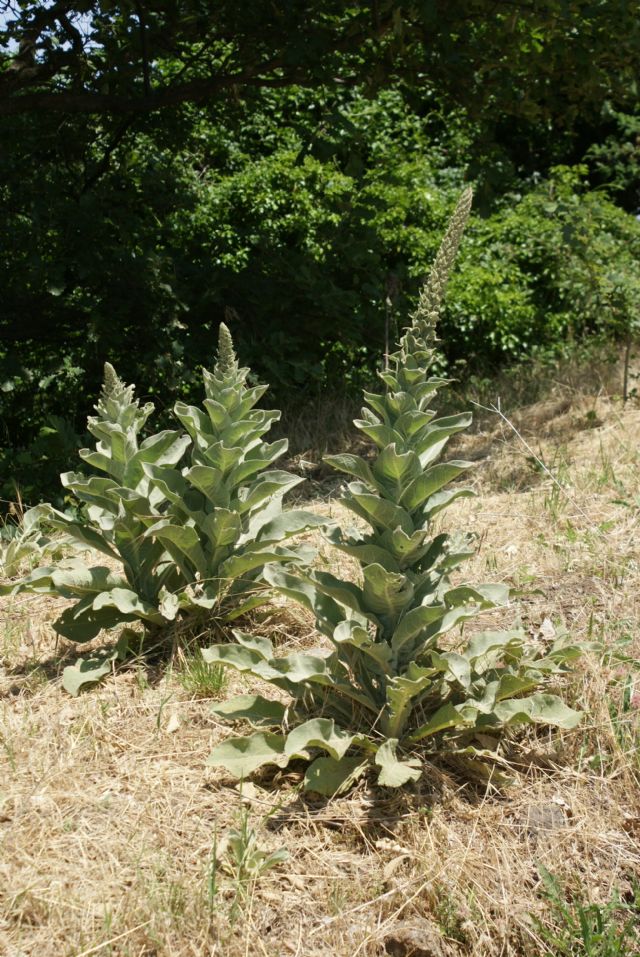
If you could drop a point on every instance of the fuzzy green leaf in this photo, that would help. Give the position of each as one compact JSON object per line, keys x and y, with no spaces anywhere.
{"x":395,"y":773}
{"x":242,"y":756}
{"x":331,"y":777}
{"x":538,"y":709}
{"x":424,"y":486}
{"x":251,"y":707}
{"x":386,"y":593}
{"x":319,"y":733}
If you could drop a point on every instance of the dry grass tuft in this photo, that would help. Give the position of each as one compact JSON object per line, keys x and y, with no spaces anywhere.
{"x":111,"y":822}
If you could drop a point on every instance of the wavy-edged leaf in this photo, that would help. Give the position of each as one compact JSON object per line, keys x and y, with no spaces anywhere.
{"x":386,"y":593}
{"x":81,"y":622}
{"x":288,"y":523}
{"x":351,"y":632}
{"x":486,"y":596}
{"x":128,"y":603}
{"x":447,"y":716}
{"x":395,"y":773}
{"x":319,"y":733}
{"x":396,"y":469}
{"x":538,"y":709}
{"x":242,"y":756}
{"x":253,"y":708}
{"x":331,"y":777}
{"x":414,"y":623}
{"x":327,"y":611}
{"x":380,"y":513}
{"x":366,"y":553}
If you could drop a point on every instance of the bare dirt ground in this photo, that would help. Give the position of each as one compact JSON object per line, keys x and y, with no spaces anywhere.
{"x":113,"y":831}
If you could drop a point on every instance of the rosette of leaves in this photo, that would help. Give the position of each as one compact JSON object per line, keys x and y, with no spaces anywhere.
{"x":398,"y":685}
{"x":119,"y":505}
{"x":224,"y":519}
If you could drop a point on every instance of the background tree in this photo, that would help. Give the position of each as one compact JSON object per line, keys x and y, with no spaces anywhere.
{"x":289,"y":168}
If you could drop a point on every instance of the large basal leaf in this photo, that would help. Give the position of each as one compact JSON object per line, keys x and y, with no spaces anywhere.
{"x":395,"y":773}
{"x":235,"y":656}
{"x":539,"y":709}
{"x":253,"y":708}
{"x":330,"y":777}
{"x":447,"y":716}
{"x":242,"y":756}
{"x":486,"y":596}
{"x":485,"y":648}
{"x":319,"y":733}
{"x":89,"y":671}
{"x":81,"y":622}
{"x":128,"y":603}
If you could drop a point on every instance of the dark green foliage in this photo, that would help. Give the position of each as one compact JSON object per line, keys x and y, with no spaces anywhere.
{"x":302,"y":211}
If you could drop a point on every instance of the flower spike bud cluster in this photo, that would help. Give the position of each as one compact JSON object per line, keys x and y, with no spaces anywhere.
{"x":226,"y":361}
{"x":117,"y":406}
{"x":421,"y":335}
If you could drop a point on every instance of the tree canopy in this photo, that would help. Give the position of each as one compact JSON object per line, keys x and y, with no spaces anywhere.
{"x":288,"y":167}
{"x":98,"y":56}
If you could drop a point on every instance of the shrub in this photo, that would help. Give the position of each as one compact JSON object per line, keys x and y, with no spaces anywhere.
{"x":394,"y":689}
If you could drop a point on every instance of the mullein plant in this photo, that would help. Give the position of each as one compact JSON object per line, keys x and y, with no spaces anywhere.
{"x":118,"y":503}
{"x":225,"y":520}
{"x":400,"y":685}
{"x":184,"y":540}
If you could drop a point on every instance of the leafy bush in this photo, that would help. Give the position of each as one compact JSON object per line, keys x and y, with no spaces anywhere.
{"x":558,"y":264}
{"x":393,"y":684}
{"x":188,"y":540}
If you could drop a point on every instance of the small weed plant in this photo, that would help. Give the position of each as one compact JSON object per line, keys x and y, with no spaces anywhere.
{"x":590,"y":930}
{"x":400,"y":683}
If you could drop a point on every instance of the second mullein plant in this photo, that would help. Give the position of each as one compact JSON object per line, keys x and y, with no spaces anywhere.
{"x":399,"y":682}
{"x":187,"y":520}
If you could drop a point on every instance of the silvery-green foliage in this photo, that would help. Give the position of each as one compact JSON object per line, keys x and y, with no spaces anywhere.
{"x":189,"y":539}
{"x":224,"y":518}
{"x":23,"y":543}
{"x":119,"y":505}
{"x":397,"y":685}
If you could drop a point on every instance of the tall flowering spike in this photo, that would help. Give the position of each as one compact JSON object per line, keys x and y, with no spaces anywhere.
{"x":226,"y":361}
{"x":432,"y":294}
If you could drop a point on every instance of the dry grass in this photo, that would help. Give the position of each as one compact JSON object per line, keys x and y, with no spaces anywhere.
{"x":109,"y":818}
